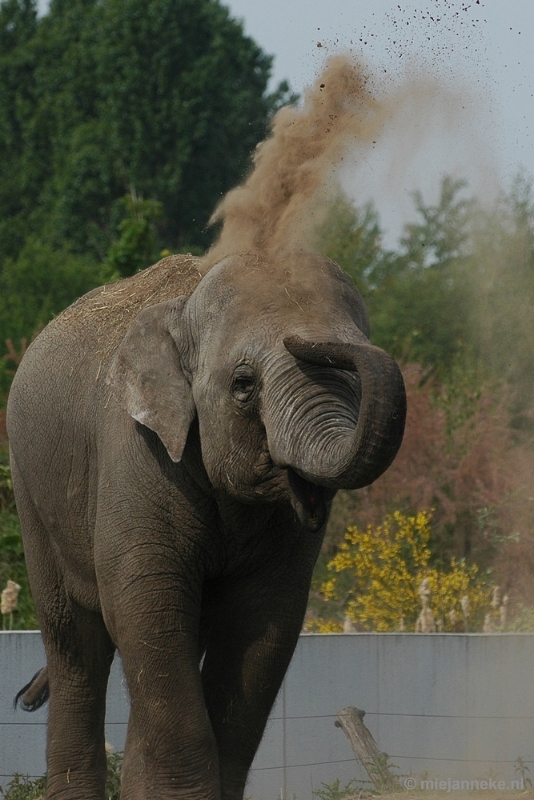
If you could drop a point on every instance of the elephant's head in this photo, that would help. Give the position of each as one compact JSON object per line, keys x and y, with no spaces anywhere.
{"x":291,"y":398}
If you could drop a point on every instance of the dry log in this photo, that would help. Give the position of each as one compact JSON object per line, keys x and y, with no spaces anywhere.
{"x":350,"y":720}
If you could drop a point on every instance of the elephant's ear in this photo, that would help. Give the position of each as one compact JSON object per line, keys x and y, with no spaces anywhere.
{"x":147,"y":377}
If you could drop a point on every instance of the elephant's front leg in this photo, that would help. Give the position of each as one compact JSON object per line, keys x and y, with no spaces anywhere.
{"x":255,"y":629}
{"x":133,"y":779}
{"x":152,"y":609}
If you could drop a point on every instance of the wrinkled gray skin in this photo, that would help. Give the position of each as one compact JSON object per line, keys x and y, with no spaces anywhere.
{"x":174,"y":467}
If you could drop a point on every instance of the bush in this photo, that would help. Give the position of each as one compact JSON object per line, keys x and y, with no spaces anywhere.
{"x":12,"y":562}
{"x":375,"y":580}
{"x":22,"y":787}
{"x":7,"y":498}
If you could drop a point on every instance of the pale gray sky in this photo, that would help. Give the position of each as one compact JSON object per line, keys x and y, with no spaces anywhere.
{"x":480,"y":51}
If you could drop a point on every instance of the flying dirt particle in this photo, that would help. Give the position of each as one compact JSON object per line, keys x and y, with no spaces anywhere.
{"x":319,"y":44}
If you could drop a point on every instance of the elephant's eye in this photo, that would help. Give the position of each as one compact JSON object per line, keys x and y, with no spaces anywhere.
{"x":243,"y":383}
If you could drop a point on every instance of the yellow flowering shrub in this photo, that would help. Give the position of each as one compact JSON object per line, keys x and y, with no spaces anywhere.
{"x":376,"y":575}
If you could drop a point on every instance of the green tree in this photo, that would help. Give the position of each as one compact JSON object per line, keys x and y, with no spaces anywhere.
{"x":418,"y":298}
{"x":39,"y":284}
{"x":136,"y":246}
{"x":97,"y":96}
{"x":18,"y":25}
{"x":352,"y":237}
{"x":34,"y":287}
{"x":166,"y":95}
{"x":501,"y":281}
{"x":12,"y":563}
{"x":420,"y":309}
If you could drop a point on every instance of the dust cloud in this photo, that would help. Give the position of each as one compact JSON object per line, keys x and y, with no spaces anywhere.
{"x":279,"y":204}
{"x":338,"y":129}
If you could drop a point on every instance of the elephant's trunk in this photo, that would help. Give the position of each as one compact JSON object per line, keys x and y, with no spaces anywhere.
{"x":352,"y":448}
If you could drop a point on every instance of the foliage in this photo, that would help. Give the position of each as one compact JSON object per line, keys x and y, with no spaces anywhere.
{"x":12,"y":563}
{"x":136,"y":246}
{"x":22,"y":787}
{"x":334,"y":790}
{"x":377,"y":572}
{"x":113,"y":782}
{"x":7,"y":498}
{"x":502,"y":295}
{"x":39,"y":283}
{"x":352,"y":237}
{"x":381,"y":772}
{"x":13,"y":566}
{"x":458,"y":289}
{"x":461,"y":457}
{"x":523,"y":622}
{"x":420,"y":308}
{"x":454,"y":304}
{"x":458,"y":292}
{"x":168,"y":96}
{"x":96,"y":98}
{"x":417,"y":296}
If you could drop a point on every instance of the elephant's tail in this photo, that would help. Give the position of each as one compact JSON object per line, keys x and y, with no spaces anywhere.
{"x":35,"y":693}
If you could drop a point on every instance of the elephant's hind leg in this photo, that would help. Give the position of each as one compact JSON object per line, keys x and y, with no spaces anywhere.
{"x":79,"y":654}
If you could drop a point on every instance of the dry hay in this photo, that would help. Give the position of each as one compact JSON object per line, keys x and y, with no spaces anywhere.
{"x":110,"y":309}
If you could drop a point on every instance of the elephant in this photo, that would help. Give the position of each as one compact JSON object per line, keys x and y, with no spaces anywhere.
{"x":176,"y":442}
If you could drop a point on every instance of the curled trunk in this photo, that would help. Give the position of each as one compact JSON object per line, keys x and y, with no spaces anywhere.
{"x":353,"y":431}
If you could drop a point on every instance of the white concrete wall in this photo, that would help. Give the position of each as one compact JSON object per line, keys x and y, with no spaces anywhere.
{"x":23,"y":734}
{"x":453,"y":706}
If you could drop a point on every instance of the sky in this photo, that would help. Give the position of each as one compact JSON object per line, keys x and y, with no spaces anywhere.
{"x":474,"y":120}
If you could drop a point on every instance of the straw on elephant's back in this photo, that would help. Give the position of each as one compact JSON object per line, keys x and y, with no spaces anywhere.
{"x":110,"y":309}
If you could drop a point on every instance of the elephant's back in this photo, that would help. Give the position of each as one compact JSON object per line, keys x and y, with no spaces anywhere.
{"x":62,"y":378}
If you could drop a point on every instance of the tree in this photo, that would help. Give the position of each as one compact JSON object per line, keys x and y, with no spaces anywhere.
{"x":136,"y":245}
{"x":34,"y":287}
{"x":12,"y":563}
{"x":166,"y":95}
{"x":18,"y":25}
{"x":417,"y":298}
{"x":420,"y":309}
{"x":501,"y":284}
{"x":31,"y":292}
{"x":352,"y":237}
